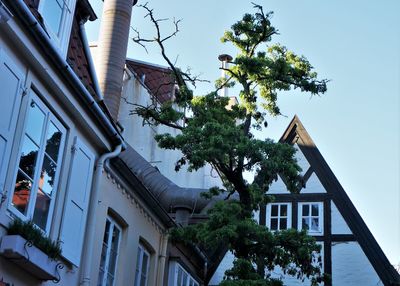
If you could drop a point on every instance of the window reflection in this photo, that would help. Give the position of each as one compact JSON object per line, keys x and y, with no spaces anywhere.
{"x":21,"y":193}
{"x":35,"y":123}
{"x":47,"y":175}
{"x":41,"y":211}
{"x":52,"y":13}
{"x":53,"y":140}
{"x":28,"y":159}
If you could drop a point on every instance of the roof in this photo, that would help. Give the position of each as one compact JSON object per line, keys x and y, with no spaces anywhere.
{"x":296,"y":133}
{"x":159,"y":80}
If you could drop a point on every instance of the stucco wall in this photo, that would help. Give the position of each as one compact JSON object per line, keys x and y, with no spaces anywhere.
{"x":351,"y":267}
{"x":339,"y":225}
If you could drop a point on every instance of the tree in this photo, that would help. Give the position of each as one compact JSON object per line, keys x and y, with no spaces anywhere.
{"x":221,"y":135}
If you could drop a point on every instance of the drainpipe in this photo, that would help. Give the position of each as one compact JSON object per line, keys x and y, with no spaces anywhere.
{"x":91,"y":220}
{"x":161,"y":260}
{"x":89,"y":57}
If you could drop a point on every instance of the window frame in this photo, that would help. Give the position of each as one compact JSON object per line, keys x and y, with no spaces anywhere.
{"x":310,"y":216}
{"x":288,"y":217}
{"x":61,"y":39}
{"x":113,"y":224}
{"x":139,"y":264}
{"x":191,"y":281}
{"x":50,"y":117}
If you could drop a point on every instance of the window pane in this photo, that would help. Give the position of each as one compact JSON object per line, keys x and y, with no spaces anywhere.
{"x":315,"y":224}
{"x":314,"y":210}
{"x":22,"y":192}
{"x":47,"y":176}
{"x":283,"y":223}
{"x":35,"y":121}
{"x":115,"y":239}
{"x":110,"y":280}
{"x":305,"y":223}
{"x":305,"y":210}
{"x":179,"y":277}
{"x":101,"y":277}
{"x":29,"y":155}
{"x":112,"y":262}
{"x":274,"y":224}
{"x":41,"y":211}
{"x":145,"y":263}
{"x":274,"y":210}
{"x":283,"y":210}
{"x":53,"y":141}
{"x":52,"y":12}
{"x":106,"y":232}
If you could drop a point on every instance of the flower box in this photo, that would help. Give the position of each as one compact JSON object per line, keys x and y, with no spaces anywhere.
{"x":19,"y":251}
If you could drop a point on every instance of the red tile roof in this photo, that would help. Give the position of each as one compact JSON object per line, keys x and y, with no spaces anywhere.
{"x":159,"y":80}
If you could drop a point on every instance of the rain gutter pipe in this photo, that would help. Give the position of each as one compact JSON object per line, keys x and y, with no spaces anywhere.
{"x":39,"y":34}
{"x":91,"y":220}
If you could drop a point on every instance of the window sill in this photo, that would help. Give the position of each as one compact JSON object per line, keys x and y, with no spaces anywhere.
{"x":19,"y":251}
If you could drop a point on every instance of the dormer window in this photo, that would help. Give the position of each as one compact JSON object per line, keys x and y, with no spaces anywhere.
{"x":57,"y":18}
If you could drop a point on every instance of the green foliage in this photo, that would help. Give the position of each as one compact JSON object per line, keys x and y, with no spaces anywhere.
{"x":31,"y":233}
{"x":220,"y":134}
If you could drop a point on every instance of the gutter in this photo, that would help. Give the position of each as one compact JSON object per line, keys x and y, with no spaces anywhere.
{"x":38,"y":33}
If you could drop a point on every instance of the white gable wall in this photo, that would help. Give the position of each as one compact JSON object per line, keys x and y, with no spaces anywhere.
{"x":351,"y":267}
{"x":338,"y":225}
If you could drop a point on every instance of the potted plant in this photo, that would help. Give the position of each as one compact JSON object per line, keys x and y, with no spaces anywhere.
{"x":28,"y":247}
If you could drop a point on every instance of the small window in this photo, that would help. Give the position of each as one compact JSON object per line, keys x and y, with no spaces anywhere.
{"x":109,"y":253}
{"x":311,"y":217}
{"x":279,"y":216}
{"x":183,"y":278}
{"x":142,"y":266}
{"x":39,"y":164}
{"x":57,"y":17}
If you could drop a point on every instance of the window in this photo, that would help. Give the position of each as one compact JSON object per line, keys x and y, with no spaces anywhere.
{"x":57,"y":17}
{"x":311,"y":217}
{"x":183,"y":278}
{"x":109,"y":253}
{"x":142,"y":266}
{"x":39,"y":162}
{"x":279,"y":216}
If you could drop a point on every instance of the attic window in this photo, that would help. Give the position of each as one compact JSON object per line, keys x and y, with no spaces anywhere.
{"x":57,"y":18}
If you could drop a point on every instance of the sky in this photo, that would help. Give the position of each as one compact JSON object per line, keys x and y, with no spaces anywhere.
{"x":355,"y":124}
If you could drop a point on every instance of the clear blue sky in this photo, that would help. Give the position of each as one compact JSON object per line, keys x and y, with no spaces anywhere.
{"x":355,"y":44}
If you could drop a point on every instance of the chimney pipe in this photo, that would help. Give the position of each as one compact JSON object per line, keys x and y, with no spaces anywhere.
{"x":225,"y":60}
{"x":113,"y":44}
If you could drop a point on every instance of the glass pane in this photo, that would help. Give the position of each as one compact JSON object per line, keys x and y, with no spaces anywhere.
{"x":47,"y":176}
{"x":115,"y":239}
{"x":283,"y":210}
{"x":101,"y":277}
{"x":22,"y":193}
{"x":106,"y":232}
{"x":35,"y":121}
{"x":112,"y":262}
{"x":29,"y":155}
{"x":184,"y":279}
{"x":305,"y":223}
{"x":274,"y":210}
{"x":143,"y":280}
{"x":274,"y":224}
{"x":315,"y":224}
{"x":314,"y":210}
{"x":179,"y":278}
{"x":306,"y":210}
{"x":283,"y":223}
{"x":53,"y":140}
{"x":52,"y":12}
{"x":110,"y":280}
{"x":103,"y":256}
{"x":145,"y":263}
{"x":41,"y":211}
{"x":139,"y":253}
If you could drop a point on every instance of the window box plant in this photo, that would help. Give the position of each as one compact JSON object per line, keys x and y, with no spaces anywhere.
{"x":26,"y":246}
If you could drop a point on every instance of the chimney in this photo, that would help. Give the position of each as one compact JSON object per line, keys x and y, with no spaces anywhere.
{"x":225,"y":60}
{"x":111,"y":53}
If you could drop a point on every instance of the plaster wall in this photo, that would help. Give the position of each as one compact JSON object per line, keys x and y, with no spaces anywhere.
{"x":141,"y":137}
{"x":38,"y":73}
{"x":339,"y":225}
{"x":350,"y":266}
{"x":138,"y":224}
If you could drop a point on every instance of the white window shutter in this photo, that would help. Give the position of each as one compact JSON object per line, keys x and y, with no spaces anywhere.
{"x":76,"y":202}
{"x":11,"y":81}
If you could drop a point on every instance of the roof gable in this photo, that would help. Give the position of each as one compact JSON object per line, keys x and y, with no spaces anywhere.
{"x":296,"y":133}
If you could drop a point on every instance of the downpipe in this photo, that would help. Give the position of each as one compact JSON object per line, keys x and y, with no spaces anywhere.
{"x":91,"y":221}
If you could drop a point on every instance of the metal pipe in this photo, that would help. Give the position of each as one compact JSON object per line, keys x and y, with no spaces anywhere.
{"x":37,"y":32}
{"x":89,"y":57}
{"x":91,"y":220}
{"x":161,"y":260}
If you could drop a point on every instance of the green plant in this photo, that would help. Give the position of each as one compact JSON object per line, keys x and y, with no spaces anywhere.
{"x":31,"y":233}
